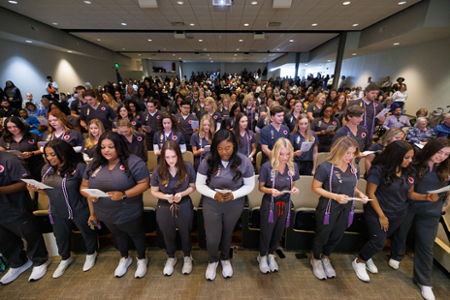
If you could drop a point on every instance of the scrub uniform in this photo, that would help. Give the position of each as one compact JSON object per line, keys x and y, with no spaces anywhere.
{"x":269,"y":135}
{"x":245,"y":147}
{"x":185,"y":127}
{"x":326,"y":139}
{"x":304,"y":162}
{"x":160,"y":137}
{"x":362,"y":136}
{"x":148,"y":119}
{"x":136,"y":146}
{"x":104,"y":113}
{"x":199,"y":143}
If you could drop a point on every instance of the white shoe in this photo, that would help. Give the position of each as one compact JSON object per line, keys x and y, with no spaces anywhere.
{"x":39,"y":271}
{"x":89,"y":262}
{"x":141,"y":268}
{"x":318,"y":270}
{"x":370,"y":266}
{"x":427,"y":292}
{"x":187,"y":265}
{"x":227,"y":269}
{"x":394,"y":264}
{"x":62,"y":267}
{"x":211,"y":271}
{"x":272,"y":263}
{"x":169,"y":266}
{"x":263,"y":265}
{"x":122,"y":268}
{"x":13,"y":273}
{"x":361,"y":272}
{"x":328,"y":268}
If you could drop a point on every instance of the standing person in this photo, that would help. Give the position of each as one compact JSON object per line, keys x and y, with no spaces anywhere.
{"x":271,"y":132}
{"x":251,"y":111}
{"x":201,"y":140}
{"x":389,"y":181}
{"x":315,"y":107}
{"x":336,"y":180}
{"x":124,"y":113}
{"x":17,"y":222}
{"x":225,"y":169}
{"x":109,"y":100}
{"x":64,"y":173}
{"x":60,"y":128}
{"x":90,"y":144}
{"x":184,"y":119}
{"x":77,"y":104}
{"x":149,"y":122}
{"x":306,"y":161}
{"x":291,"y":118}
{"x":231,"y":121}
{"x":245,"y":138}
{"x":134,"y":140}
{"x":167,"y":130}
{"x":51,"y":88}
{"x":211,"y":109}
{"x":424,"y":210}
{"x":96,"y":110}
{"x":275,"y":178}
{"x":321,"y":124}
{"x":172,"y":182}
{"x":16,"y":137}
{"x":400,"y":97}
{"x":125,"y":178}
{"x":13,"y":95}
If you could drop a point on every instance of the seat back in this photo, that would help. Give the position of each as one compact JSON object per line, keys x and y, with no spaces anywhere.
{"x":149,"y":200}
{"x":321,"y":157}
{"x":362,"y":167}
{"x":255,"y":197}
{"x":188,"y":157}
{"x":152,"y":161}
{"x":258,"y":161}
{"x":362,"y":184}
{"x":306,"y":199}
{"x":257,"y":139}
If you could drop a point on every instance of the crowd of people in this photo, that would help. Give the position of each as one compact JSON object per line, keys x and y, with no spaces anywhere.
{"x":99,"y":138}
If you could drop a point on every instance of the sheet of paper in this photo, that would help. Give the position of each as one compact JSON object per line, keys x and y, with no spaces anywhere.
{"x":383,"y":112}
{"x":207,"y":147}
{"x":42,"y":120}
{"x":441,"y":190}
{"x":96,"y":193}
{"x":42,"y":143}
{"x":331,"y":127}
{"x":359,"y":199}
{"x":194,"y":124}
{"x":15,"y":152}
{"x":420,"y":146}
{"x":306,"y":146}
{"x":222,"y":191}
{"x":37,"y":184}
{"x":286,"y":192}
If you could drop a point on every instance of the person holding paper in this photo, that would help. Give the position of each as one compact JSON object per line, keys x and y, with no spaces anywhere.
{"x":184,"y":119}
{"x":149,"y":122}
{"x":172,"y":182}
{"x":306,"y":161}
{"x":64,"y":173}
{"x":277,"y":181}
{"x":315,"y":107}
{"x":167,"y":130}
{"x":325,"y":127}
{"x":211,"y":109}
{"x":16,"y":137}
{"x":96,"y":110}
{"x":90,"y":144}
{"x":336,"y":180}
{"x":134,"y":140}
{"x":201,"y":140}
{"x":125,"y":177}
{"x":424,"y":210}
{"x":231,"y":121}
{"x":224,"y":169}
{"x":245,"y":138}
{"x":389,"y":181}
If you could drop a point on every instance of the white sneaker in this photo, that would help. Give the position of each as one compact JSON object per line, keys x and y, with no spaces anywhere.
{"x":122,"y":268}
{"x":361,"y":272}
{"x":169,"y":266}
{"x":272,"y":263}
{"x":328,"y":268}
{"x":227,"y":269}
{"x":394,"y":264}
{"x":90,"y":261}
{"x":370,"y":266}
{"x":62,"y":267}
{"x":141,"y":268}
{"x":427,"y":292}
{"x":318,"y":270}
{"x":39,"y":272}
{"x":13,"y":273}
{"x":211,"y":271}
{"x":263,"y":265}
{"x":187,"y":265}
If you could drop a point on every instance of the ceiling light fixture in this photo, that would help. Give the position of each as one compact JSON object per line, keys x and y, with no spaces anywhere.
{"x":55,"y":23}
{"x":401,"y":3}
{"x":123,"y":48}
{"x":354,"y":25}
{"x":179,"y":57}
{"x":329,"y":60}
{"x":173,"y":54}
{"x":69,"y":51}
{"x":29,"y":42}
{"x":353,"y":53}
{"x":180,"y":2}
{"x":314,"y":24}
{"x":246,"y":24}
{"x":13,"y":2}
{"x":192,"y":24}
{"x":306,"y":64}
{"x":149,"y":40}
{"x":254,"y":3}
{"x":99,"y":40}
{"x":291,"y":41}
{"x":200,"y":41}
{"x":278,"y":49}
{"x":123,"y":24}
{"x":139,"y":54}
{"x":346,"y":3}
{"x":396,"y":44}
{"x":207,"y":54}
{"x":87,"y":2}
{"x":240,"y":41}
{"x":235,"y":55}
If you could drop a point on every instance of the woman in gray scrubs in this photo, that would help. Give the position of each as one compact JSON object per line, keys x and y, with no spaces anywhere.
{"x":224,"y":178}
{"x":172,"y":182}
{"x":125,"y":178}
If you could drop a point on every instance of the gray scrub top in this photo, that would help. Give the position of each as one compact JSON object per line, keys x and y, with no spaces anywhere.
{"x":297,"y":140}
{"x":73,"y":137}
{"x":282,"y":181}
{"x":246,"y":142}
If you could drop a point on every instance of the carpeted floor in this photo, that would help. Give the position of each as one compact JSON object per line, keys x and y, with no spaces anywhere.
{"x":294,"y":280}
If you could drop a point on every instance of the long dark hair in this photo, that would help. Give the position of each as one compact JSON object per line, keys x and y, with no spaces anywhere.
{"x":234,"y":107}
{"x":423,"y":156}
{"x":130,"y":115}
{"x":121,"y":149}
{"x":214,"y":158}
{"x":182,"y":172}
{"x":166,"y":115}
{"x":322,"y":111}
{"x":66,"y":155}
{"x":237,"y":130}
{"x":7,"y":136}
{"x":391,"y":160}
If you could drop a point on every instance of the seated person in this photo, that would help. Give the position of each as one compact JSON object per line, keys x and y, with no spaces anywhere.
{"x":443,"y":130}
{"x":396,"y":120}
{"x":420,"y":134}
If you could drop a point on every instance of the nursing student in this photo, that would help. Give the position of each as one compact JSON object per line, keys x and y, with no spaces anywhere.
{"x":432,"y":164}
{"x":306,"y":161}
{"x":61,"y":128}
{"x":134,"y":140}
{"x":336,"y":181}
{"x":125,"y":178}
{"x":224,"y":178}
{"x":245,"y":138}
{"x":388,"y":183}
{"x":320,"y":126}
{"x":167,"y":130}
{"x":90,"y":144}
{"x":201,"y":140}
{"x":64,"y":173}
{"x":172,"y":182}
{"x":276,"y":177}
{"x":96,"y":110}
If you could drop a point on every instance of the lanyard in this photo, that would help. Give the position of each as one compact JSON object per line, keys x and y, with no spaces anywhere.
{"x":251,"y":116}
{"x":249,"y":138}
{"x":273,"y":174}
{"x":365,"y":117}
{"x":66,"y":197}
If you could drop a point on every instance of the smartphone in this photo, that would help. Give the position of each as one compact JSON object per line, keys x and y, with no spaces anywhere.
{"x":280,"y":254}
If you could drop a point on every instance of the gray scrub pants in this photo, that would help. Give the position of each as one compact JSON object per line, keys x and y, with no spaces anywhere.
{"x":168,"y":224}
{"x":62,"y":228}
{"x":271,"y":233}
{"x":11,"y":245}
{"x":426,"y":216}
{"x":220,"y":220}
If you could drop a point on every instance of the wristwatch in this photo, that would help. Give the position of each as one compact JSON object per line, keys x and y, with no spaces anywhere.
{"x":124,"y":196}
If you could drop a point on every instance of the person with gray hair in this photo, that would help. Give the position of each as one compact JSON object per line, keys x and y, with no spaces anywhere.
{"x":420,"y":133}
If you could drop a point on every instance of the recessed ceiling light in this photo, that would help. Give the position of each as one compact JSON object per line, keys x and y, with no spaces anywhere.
{"x":291,"y":41}
{"x":192,"y":24}
{"x":240,"y":41}
{"x":164,"y":49}
{"x":306,"y":64}
{"x":204,"y":49}
{"x":139,"y":54}
{"x":329,"y":60}
{"x":173,"y":54}
{"x":254,"y":2}
{"x":13,"y":2}
{"x":400,"y":3}
{"x":246,"y":24}
{"x":353,"y":53}
{"x":207,"y":54}
{"x":314,"y":24}
{"x":55,"y":23}
{"x":149,"y":40}
{"x":69,"y":51}
{"x":123,"y":24}
{"x":123,"y":48}
{"x":29,"y":42}
{"x":237,"y":49}
{"x":212,"y":61}
{"x":179,"y":57}
{"x":200,"y":41}
{"x":99,"y":40}
{"x":396,"y":44}
{"x":210,"y":58}
{"x":235,"y":55}
{"x":278,"y":49}
{"x":87,"y":2}
{"x":346,"y":3}
{"x":354,"y":25}
{"x":180,"y":2}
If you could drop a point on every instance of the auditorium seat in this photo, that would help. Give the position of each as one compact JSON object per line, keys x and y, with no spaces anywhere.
{"x":149,"y":217}
{"x":152,"y":161}
{"x":362,"y":168}
{"x":251,"y":218}
{"x":258,"y":161}
{"x":188,"y":157}
{"x":257,"y":139}
{"x":321,"y":157}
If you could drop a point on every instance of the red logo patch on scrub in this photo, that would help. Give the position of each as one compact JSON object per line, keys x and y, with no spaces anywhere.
{"x":122,"y":168}
{"x":115,"y":108}
{"x":67,"y":137}
{"x":139,"y":139}
{"x":376,"y":104}
{"x":285,"y":132}
{"x":31,"y":142}
{"x":174,"y":138}
{"x":138,"y":117}
{"x":363,"y":135}
{"x":157,"y":117}
{"x":103,"y":108}
{"x":134,"y":123}
{"x":215,"y":117}
{"x":411,"y":180}
{"x":2,"y":168}
{"x":190,"y":122}
{"x":334,"y":123}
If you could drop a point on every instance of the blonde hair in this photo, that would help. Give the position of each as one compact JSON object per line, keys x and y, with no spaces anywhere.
{"x":318,"y":97}
{"x":126,"y":123}
{"x":267,"y":119}
{"x":210,"y":100}
{"x":90,"y":141}
{"x":388,"y":135}
{"x":340,"y":148}
{"x":221,"y":106}
{"x":247,"y":98}
{"x":279,"y":145}
{"x":212,"y":128}
{"x":112,"y":101}
{"x":308,"y":135}
{"x":201,"y":94}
